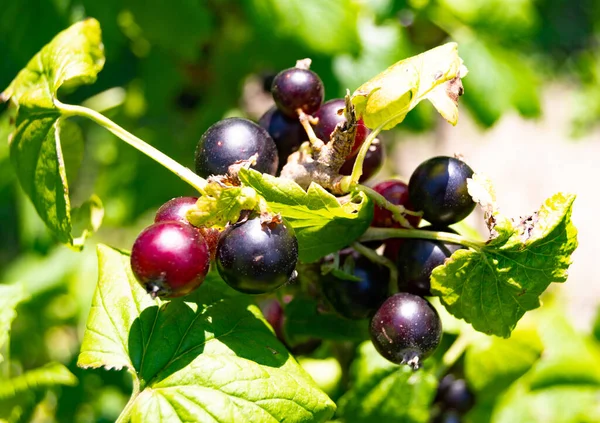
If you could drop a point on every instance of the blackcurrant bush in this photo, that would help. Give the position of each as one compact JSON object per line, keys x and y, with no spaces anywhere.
{"x":287,"y":133}
{"x":255,"y":257}
{"x":416,"y":259}
{"x":296,"y":88}
{"x":330,"y":114}
{"x":170,"y":259}
{"x":356,"y":299}
{"x":454,"y":394}
{"x":233,"y":139}
{"x":438,"y":187}
{"x":372,"y":163}
{"x":175,"y":209}
{"x":406,"y":329}
{"x":396,"y":192}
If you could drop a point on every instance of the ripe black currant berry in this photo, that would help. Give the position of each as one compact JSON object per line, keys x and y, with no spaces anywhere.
{"x":233,"y":139}
{"x":396,"y":192}
{"x":406,"y":329}
{"x":254,"y":258}
{"x":170,"y":259}
{"x":371,"y":164}
{"x":356,"y":299}
{"x":175,"y":209}
{"x":449,"y":416}
{"x":438,"y":187}
{"x":416,"y":259}
{"x":287,"y":133}
{"x":454,"y":394}
{"x":296,"y":88}
{"x":330,"y":114}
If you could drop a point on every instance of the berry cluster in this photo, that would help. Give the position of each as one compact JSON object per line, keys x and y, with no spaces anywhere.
{"x":259,"y":252}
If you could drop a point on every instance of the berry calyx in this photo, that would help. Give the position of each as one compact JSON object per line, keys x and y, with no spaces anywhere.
{"x":295,"y":89}
{"x":175,"y":209}
{"x":330,"y":115}
{"x":406,"y":329}
{"x":438,"y":187}
{"x":170,"y":259}
{"x":231,"y":140}
{"x":255,"y":257}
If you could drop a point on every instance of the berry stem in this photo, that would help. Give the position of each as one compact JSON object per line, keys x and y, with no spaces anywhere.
{"x":347,"y":183}
{"x":305,"y":119}
{"x":125,"y":415}
{"x":373,"y":234}
{"x":398,"y":211}
{"x":183,"y":172}
{"x":453,"y":353}
{"x":376,"y":258}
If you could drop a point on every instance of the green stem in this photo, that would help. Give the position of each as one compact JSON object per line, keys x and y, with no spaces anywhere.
{"x":397,"y":211}
{"x":376,"y":258}
{"x":125,"y":415}
{"x":183,"y":172}
{"x":455,"y":351}
{"x":373,"y":234}
{"x":5,"y":364}
{"x":347,"y":183}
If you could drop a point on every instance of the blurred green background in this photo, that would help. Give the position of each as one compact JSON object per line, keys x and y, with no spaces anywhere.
{"x":175,"y":67}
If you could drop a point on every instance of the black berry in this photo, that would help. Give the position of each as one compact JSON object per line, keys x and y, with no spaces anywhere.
{"x":233,"y":139}
{"x":330,"y":114}
{"x":254,"y":258}
{"x":438,"y":187}
{"x":170,"y":259}
{"x":396,"y":192}
{"x":296,"y":88}
{"x":406,"y":329}
{"x":287,"y":133}
{"x":356,"y":299}
{"x":454,"y":394}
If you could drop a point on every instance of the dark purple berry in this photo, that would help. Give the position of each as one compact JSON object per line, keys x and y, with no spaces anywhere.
{"x":454,"y":394}
{"x":330,"y":114}
{"x":170,"y":259}
{"x":356,"y":299}
{"x":406,"y":329}
{"x":175,"y":209}
{"x":296,"y":88}
{"x":438,"y":187}
{"x":416,"y":258}
{"x":255,"y":257}
{"x":231,"y":140}
{"x":287,"y":133}
{"x":372,"y":163}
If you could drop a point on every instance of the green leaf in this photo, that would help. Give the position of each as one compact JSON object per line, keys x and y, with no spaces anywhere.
{"x":493,"y":364}
{"x":51,"y":374}
{"x":493,"y":287}
{"x":43,"y":140}
{"x":385,"y":392}
{"x":560,"y":404}
{"x":321,"y":223}
{"x":210,"y":357}
{"x":304,"y":320}
{"x":217,"y":206}
{"x":435,"y":75}
{"x":10,"y":297}
{"x":326,"y":27}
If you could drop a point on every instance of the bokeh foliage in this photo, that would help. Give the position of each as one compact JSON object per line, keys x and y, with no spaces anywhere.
{"x":175,"y":67}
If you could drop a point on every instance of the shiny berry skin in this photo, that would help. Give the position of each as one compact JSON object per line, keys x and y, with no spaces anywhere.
{"x":372,"y":163}
{"x":438,"y":187}
{"x":287,"y":133}
{"x":396,"y":192}
{"x":255,"y":258}
{"x":296,"y":88}
{"x":175,"y":209}
{"x":416,"y":259}
{"x":449,"y":416}
{"x":233,"y":139}
{"x":170,"y":259}
{"x":454,"y":394}
{"x":330,"y":114}
{"x":406,"y":329}
{"x":357,"y":299}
